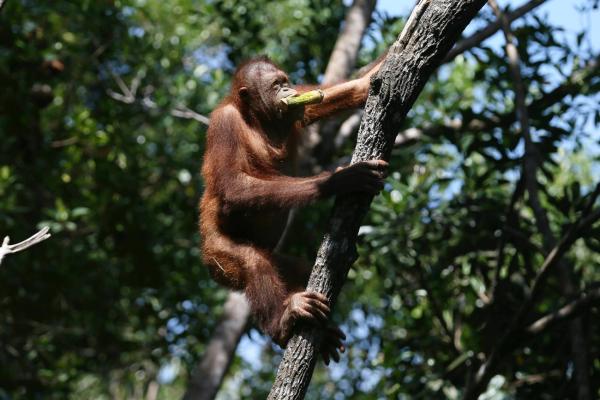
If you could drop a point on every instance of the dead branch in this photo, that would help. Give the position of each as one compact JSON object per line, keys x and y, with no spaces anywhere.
{"x":7,"y":248}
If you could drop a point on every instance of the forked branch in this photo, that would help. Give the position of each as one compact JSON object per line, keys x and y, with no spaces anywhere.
{"x":7,"y":248}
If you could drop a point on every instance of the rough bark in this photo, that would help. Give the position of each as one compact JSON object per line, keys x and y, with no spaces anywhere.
{"x":430,"y":32}
{"x":206,"y":379}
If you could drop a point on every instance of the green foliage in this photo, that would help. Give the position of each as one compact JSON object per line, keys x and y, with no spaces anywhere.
{"x":429,"y":252}
{"x":119,"y":289}
{"x":89,"y":146}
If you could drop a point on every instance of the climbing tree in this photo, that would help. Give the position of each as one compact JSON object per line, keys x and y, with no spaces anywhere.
{"x":432,"y":29}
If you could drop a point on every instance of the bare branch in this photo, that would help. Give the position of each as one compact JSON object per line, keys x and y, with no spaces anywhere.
{"x":186,"y":113}
{"x":7,"y":248}
{"x":128,"y":96}
{"x":407,"y":136}
{"x":341,"y":62}
{"x":566,"y":312}
{"x":348,"y":127}
{"x":120,"y":97}
{"x":343,"y":57}
{"x":127,"y":93}
{"x":64,"y":142}
{"x":491,"y":29}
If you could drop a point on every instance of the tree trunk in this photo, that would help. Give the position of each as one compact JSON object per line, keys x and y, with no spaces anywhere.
{"x":432,"y":29}
{"x":341,"y":64}
{"x":345,"y":52}
{"x":206,"y":379}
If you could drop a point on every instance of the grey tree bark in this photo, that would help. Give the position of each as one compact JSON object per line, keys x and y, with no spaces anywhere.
{"x":345,"y":52}
{"x":350,"y":126}
{"x":432,"y":29}
{"x":206,"y":379}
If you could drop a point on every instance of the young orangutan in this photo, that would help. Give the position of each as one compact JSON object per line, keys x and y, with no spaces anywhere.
{"x":250,"y":149}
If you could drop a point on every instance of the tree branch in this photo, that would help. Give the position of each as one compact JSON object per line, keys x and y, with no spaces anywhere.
{"x":6,"y":248}
{"x":566,"y":312}
{"x":345,"y":51}
{"x":128,"y":95}
{"x":320,"y":136}
{"x":206,"y":379}
{"x":187,"y":113}
{"x":483,"y":34}
{"x":411,"y":135}
{"x":429,"y":33}
{"x":572,"y":86}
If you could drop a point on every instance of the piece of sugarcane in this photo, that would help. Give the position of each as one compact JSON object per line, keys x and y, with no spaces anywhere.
{"x":312,"y":97}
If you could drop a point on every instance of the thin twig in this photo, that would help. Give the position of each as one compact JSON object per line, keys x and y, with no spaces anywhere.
{"x":128,"y":95}
{"x":186,"y":113}
{"x":571,"y":86}
{"x":7,"y":248}
{"x":286,"y":230}
{"x":566,"y":312}
{"x":485,"y":33}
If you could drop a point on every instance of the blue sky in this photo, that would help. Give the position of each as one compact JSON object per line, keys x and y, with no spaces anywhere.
{"x":560,"y":12}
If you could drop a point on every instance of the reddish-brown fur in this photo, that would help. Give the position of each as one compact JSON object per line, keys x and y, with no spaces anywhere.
{"x":249,"y":157}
